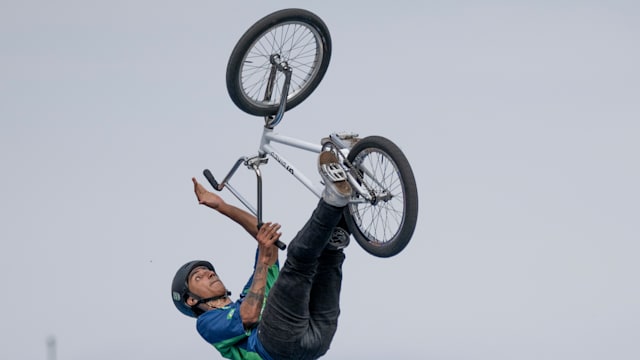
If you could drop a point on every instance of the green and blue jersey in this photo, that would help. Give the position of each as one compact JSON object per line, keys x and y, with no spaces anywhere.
{"x":224,"y":330}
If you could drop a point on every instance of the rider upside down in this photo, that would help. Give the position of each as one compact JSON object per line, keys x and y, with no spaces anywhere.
{"x":288,"y":313}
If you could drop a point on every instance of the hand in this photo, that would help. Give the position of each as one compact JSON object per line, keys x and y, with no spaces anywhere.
{"x":206,"y":197}
{"x":267,"y":237}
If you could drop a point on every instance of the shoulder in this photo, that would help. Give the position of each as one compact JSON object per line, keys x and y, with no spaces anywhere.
{"x":221,"y":324}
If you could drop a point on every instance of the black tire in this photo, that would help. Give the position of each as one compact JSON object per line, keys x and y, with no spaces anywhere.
{"x":383,"y":228}
{"x":300,"y":38}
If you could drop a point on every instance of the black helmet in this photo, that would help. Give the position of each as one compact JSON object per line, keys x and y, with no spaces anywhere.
{"x":180,"y":287}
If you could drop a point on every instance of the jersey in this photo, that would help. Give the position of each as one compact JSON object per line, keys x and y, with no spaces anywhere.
{"x":223,"y":327}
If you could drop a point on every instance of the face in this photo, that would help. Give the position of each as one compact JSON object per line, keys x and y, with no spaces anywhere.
{"x":205,"y":283}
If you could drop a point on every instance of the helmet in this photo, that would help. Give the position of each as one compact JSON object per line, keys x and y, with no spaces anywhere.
{"x":180,"y":287}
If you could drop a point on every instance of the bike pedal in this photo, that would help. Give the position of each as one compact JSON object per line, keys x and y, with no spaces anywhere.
{"x":347,"y":135}
{"x":340,"y":140}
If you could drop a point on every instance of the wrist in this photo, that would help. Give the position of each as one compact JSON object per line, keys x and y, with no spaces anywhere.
{"x":263,"y":262}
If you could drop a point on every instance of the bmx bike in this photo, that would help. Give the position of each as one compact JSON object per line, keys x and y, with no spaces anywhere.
{"x":277,"y":64}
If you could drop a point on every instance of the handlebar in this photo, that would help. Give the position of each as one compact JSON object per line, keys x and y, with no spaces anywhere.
{"x":207,"y":174}
{"x":212,"y":180}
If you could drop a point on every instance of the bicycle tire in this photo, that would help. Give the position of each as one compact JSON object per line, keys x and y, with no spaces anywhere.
{"x":301,"y":39}
{"x":383,"y":228}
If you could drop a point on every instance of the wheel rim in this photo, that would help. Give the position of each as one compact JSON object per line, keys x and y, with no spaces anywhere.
{"x":380,"y":222}
{"x":297,"y":44}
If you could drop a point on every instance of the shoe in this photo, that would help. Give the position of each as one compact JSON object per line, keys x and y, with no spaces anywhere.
{"x":347,"y":140}
{"x":339,"y":239}
{"x":337,"y":191}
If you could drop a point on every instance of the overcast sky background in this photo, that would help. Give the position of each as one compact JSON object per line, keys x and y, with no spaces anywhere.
{"x":520,"y":118}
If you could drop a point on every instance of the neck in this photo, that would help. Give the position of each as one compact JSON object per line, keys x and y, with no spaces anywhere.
{"x":218,"y":303}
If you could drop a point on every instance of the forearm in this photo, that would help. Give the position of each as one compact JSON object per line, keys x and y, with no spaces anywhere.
{"x":241,"y":217}
{"x":253,"y":301}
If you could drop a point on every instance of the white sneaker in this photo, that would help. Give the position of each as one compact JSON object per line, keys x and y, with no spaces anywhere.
{"x":337,"y":191}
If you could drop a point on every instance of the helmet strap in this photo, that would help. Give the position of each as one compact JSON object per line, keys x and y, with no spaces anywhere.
{"x":206,"y":300}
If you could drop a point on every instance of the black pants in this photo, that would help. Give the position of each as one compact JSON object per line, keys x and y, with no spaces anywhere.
{"x":301,"y":313}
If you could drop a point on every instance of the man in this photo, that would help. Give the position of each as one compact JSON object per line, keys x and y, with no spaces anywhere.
{"x":290,"y":313}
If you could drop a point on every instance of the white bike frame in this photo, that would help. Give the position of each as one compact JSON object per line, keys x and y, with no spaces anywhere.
{"x":267,"y":150}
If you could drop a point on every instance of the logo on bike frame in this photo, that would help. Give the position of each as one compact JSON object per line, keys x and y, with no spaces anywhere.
{"x":282,"y":162}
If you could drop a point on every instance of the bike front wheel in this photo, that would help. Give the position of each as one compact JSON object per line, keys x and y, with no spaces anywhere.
{"x":384,"y":225}
{"x":297,"y":37}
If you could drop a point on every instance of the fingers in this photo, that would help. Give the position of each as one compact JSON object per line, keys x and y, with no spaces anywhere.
{"x":196,"y":184}
{"x":197,"y":188}
{"x":269,"y":233}
{"x":199,"y":191}
{"x":270,"y":229}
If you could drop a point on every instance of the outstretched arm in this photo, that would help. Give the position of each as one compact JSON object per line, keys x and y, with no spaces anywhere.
{"x":267,"y":253}
{"x":243,"y":218}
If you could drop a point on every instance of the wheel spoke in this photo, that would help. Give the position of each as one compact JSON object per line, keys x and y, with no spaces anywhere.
{"x":380,"y":222}
{"x":296,"y":44}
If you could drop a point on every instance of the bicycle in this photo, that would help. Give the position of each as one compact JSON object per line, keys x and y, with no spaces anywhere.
{"x":275,"y":66}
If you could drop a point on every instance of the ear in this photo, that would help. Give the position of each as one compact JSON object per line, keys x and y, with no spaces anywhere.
{"x":191,"y":301}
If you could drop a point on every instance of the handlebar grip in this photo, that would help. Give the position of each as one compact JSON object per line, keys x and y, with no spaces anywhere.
{"x":207,"y":174}
{"x":279,"y":244}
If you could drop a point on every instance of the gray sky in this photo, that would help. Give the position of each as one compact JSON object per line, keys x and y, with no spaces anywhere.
{"x":520,"y":120}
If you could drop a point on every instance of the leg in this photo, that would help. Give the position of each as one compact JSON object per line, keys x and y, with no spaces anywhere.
{"x":300,"y":316}
{"x":324,"y":305}
{"x":285,"y":330}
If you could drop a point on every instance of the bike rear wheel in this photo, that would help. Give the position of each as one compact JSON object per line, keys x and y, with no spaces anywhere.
{"x":383,"y":227}
{"x":298,"y":37}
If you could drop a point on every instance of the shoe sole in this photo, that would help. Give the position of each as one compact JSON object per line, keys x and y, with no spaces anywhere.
{"x":343,"y":186}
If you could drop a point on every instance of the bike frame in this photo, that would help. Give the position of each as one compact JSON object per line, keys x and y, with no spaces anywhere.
{"x":266,"y":150}
{"x":381,"y":211}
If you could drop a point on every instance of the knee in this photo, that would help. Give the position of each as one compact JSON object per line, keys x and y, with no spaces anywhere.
{"x":325,"y":345}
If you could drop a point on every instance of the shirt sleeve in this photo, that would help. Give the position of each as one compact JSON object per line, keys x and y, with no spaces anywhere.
{"x":222,"y":325}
